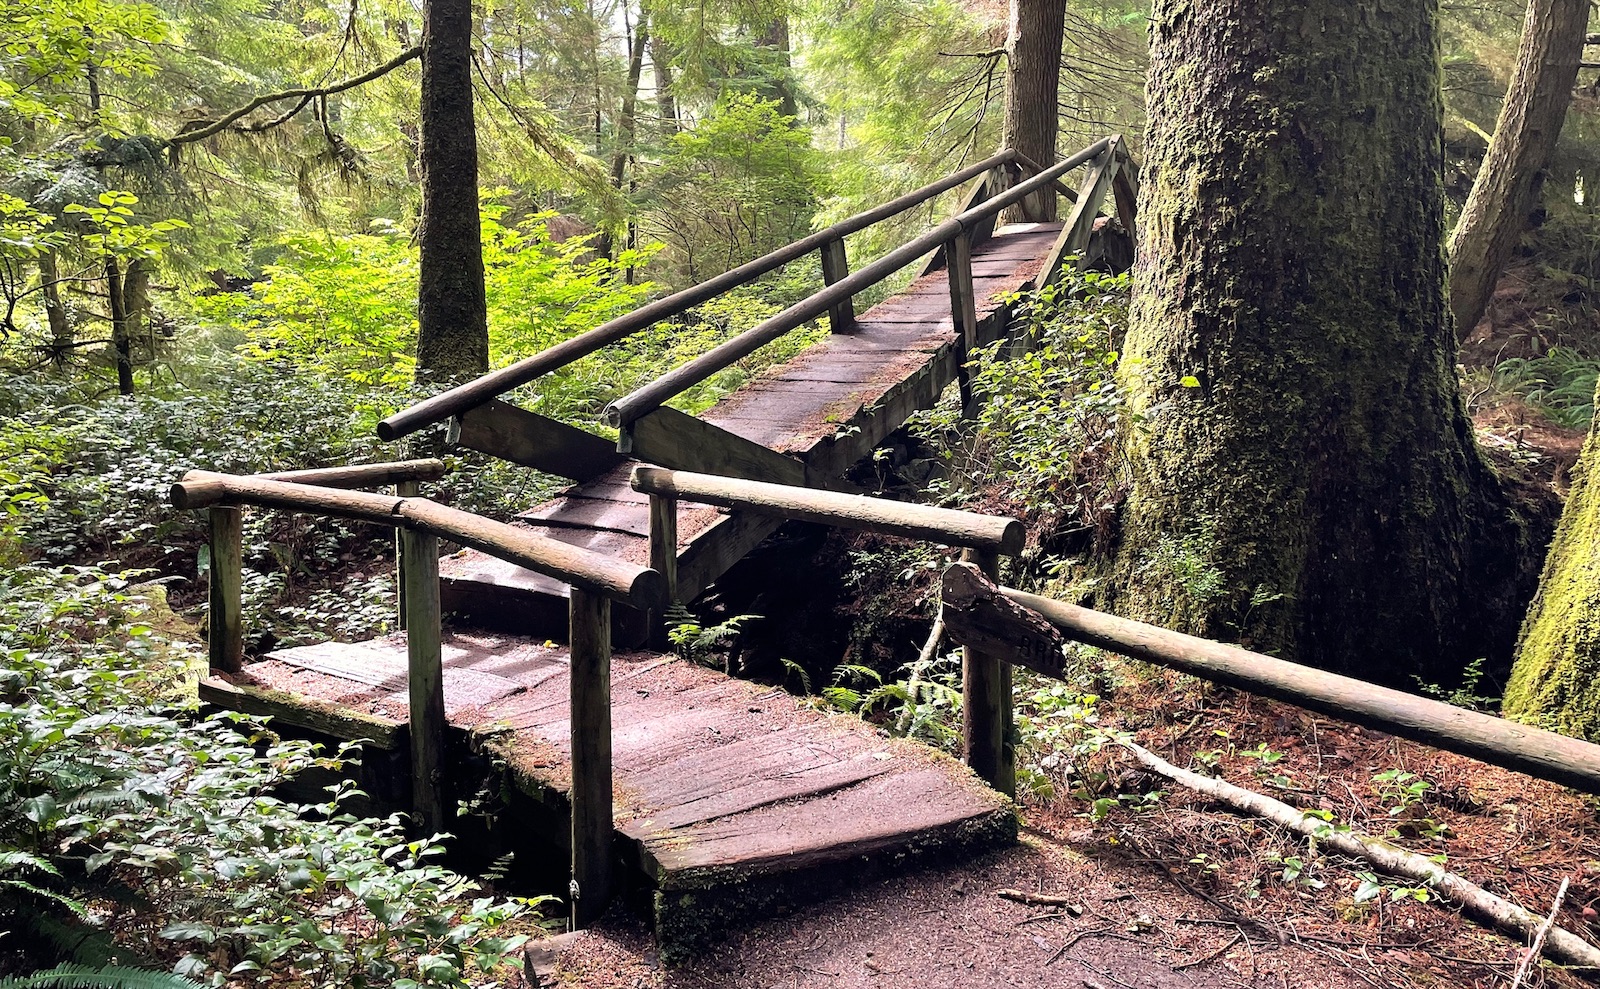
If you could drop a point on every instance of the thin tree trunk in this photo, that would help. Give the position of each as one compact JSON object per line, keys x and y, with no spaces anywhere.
{"x":1033,"y":82}
{"x":121,"y":345}
{"x":61,"y":333}
{"x":630,"y":99}
{"x":1305,"y":481}
{"x":1509,"y":180}
{"x":136,"y":305}
{"x":453,"y":335}
{"x":661,"y":61}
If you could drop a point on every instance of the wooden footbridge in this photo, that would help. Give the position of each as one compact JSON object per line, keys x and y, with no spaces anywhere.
{"x":673,"y":776}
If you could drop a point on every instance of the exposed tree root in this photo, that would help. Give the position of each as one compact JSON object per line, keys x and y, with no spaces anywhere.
{"x":1561,"y":945}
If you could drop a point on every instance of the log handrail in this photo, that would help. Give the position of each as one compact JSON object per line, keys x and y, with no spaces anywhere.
{"x":846,"y":511}
{"x":364,"y":475}
{"x":638,"y":586}
{"x":643,"y":400}
{"x":495,"y":383}
{"x":596,"y":581}
{"x":1523,"y":748}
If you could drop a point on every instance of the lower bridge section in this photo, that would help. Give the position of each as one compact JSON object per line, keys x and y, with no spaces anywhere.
{"x":729,"y":795}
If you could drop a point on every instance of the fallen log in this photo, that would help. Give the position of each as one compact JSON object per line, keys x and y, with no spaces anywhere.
{"x":1560,"y":944}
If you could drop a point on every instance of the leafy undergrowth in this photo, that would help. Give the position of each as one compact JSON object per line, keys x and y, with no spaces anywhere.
{"x":134,"y":830}
{"x":1515,"y":836}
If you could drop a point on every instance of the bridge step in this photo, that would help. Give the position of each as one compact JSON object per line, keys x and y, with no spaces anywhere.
{"x":730,"y":795}
{"x":828,"y":407}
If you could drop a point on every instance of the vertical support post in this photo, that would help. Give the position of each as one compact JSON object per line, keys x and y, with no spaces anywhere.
{"x":403,"y":489}
{"x":590,"y":638}
{"x":986,"y":703}
{"x":663,"y":557}
{"x":425,"y":679}
{"x":963,"y":308}
{"x":835,"y":266}
{"x":225,"y":589}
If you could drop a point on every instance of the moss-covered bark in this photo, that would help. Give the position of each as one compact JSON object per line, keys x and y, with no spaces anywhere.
{"x":1556,"y":680}
{"x":1315,"y":491}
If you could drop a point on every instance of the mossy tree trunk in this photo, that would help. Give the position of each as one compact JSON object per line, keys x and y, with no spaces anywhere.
{"x":1556,"y":680}
{"x":452,"y":312}
{"x":1305,"y":480}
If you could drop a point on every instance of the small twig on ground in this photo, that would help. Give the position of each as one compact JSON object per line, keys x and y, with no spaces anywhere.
{"x":1067,"y":903}
{"x":1191,"y":963}
{"x":1531,"y":958}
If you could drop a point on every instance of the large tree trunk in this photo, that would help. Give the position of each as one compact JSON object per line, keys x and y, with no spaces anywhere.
{"x":453,"y":335}
{"x":1033,"y":82}
{"x":1508,"y":183}
{"x":1556,"y":681}
{"x":1315,"y":492}
{"x":780,"y":87}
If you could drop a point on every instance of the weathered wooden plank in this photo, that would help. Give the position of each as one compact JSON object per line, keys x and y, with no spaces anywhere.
{"x":591,"y":513}
{"x":1074,"y":239}
{"x":672,"y":439}
{"x":303,"y":712}
{"x":986,"y":703}
{"x":430,"y":800}
{"x":532,"y":440}
{"x":1125,"y":188}
{"x":744,"y":793}
{"x":976,"y":614}
{"x":836,"y":267}
{"x":225,"y":589}
{"x":870,"y":817}
{"x":592,"y":879}
{"x":710,"y":554}
{"x":981,"y":189}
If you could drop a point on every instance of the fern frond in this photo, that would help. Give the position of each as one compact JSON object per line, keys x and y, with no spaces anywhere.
{"x":107,"y":977}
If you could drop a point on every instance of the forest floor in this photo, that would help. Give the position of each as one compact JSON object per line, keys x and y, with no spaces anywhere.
{"x":1175,"y":891}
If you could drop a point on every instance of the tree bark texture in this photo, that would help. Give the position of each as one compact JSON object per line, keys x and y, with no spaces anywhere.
{"x":452,"y":314}
{"x":661,"y":61}
{"x":1507,"y":187}
{"x":626,"y":121}
{"x":121,"y":343}
{"x":1315,"y":492}
{"x":781,"y":85}
{"x":1556,"y":680}
{"x":62,"y":336}
{"x":1033,"y":83}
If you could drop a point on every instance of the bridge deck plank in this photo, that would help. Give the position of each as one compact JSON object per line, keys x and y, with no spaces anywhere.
{"x":710,"y":772}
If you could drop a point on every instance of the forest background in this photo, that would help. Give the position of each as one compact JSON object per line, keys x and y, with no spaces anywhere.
{"x":209,"y":250}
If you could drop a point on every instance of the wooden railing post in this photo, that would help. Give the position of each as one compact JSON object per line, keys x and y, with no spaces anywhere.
{"x":835,"y":267}
{"x":225,"y":635}
{"x":419,"y":553}
{"x":963,"y":309}
{"x":986,"y":703}
{"x":404,"y":489}
{"x":590,"y":640}
{"x":663,"y":557}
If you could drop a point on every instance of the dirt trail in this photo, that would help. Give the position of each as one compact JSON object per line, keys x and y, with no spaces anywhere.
{"x":946,"y":927}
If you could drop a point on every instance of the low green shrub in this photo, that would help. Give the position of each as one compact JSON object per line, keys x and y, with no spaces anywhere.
{"x":108,"y":796}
